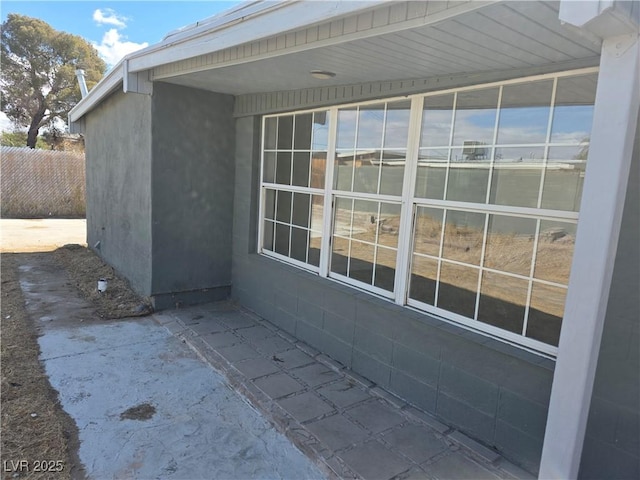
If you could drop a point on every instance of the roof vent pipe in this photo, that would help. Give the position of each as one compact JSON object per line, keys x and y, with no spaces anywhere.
{"x":82,"y":82}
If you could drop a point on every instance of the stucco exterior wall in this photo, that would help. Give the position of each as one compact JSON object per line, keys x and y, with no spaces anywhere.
{"x":495,"y":393}
{"x":612,"y":442}
{"x":118,"y":166}
{"x":192,"y":195}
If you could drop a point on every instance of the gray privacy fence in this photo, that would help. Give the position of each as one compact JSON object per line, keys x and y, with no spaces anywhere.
{"x":41,"y":183}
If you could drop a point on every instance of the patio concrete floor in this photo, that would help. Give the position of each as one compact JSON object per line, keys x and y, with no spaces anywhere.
{"x":214,"y":391}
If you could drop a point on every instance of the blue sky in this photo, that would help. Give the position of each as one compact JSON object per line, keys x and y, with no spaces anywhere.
{"x":116,"y":28}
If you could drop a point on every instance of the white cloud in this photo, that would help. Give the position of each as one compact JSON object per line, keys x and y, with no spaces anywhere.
{"x":114,"y":46}
{"x":5,"y":124}
{"x":109,"y":17}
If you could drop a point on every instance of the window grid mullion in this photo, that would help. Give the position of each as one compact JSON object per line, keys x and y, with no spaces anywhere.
{"x":327,"y":220}
{"x":545,"y":160}
{"x":405,"y":230}
{"x":480,"y":274}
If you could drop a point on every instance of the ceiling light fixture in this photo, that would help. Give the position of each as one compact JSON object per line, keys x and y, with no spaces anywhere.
{"x":322,"y":74}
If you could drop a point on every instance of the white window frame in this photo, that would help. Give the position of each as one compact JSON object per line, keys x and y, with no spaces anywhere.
{"x":409,"y":203}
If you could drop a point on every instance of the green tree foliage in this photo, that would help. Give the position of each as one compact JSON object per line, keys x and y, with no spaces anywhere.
{"x":19,"y":139}
{"x":37,"y":76}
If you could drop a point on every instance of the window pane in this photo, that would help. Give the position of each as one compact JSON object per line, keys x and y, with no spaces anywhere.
{"x":573,"y":112}
{"x":397,"y":125}
{"x":361,"y":263}
{"x":299,"y":238}
{"x":510,"y":244}
{"x":317,"y":213}
{"x":285,"y":132}
{"x":343,"y":171}
{"x":342,"y":220}
{"x":367,"y":169}
{"x":392,"y":174}
{"x":555,"y":251}
{"x":301,"y":204}
{"x":524,"y":113}
{"x":270,"y":204}
{"x":318,"y":166}
{"x":270,"y":131}
{"x":269,"y":167}
{"x":302,"y":140}
{"x":436,"y":121}
{"x":283,"y":210}
{"x":516,"y":176}
{"x":385,"y":272}
{"x":370,"y":124}
{"x":301,"y":169}
{"x":424,"y":273}
{"x":346,"y":138}
{"x":564,"y":177}
{"x":340,"y":255}
{"x":457,"y":289}
{"x":475,"y":118}
{"x":267,"y":242}
{"x":283,"y":168}
{"x":463,"y":235}
{"x":282,"y":239}
{"x":502,"y":301}
{"x":545,"y":313}
{"x":389,"y":225}
{"x":365,"y":220}
{"x":468,"y":178}
{"x":432,"y":172}
{"x":428,"y":231}
{"x":314,"y":249}
{"x":320,"y":131}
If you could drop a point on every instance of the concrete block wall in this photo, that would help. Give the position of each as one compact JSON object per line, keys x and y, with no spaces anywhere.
{"x":118,"y":172}
{"x":612,"y":441}
{"x":493,"y":392}
{"x":192,"y":177}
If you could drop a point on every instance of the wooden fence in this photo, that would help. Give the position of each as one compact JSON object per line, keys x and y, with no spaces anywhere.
{"x":41,"y":183}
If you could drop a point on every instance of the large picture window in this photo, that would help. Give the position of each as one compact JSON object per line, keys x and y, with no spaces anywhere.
{"x":462,"y":203}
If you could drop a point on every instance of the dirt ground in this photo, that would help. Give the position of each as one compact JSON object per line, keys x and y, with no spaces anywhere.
{"x":36,"y":433}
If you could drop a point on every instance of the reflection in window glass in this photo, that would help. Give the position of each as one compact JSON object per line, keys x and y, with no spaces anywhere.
{"x":397,"y":125}
{"x":318,"y":166}
{"x":432,"y":173}
{"x":573,"y":112}
{"x":424,"y":272}
{"x":545,"y":313}
{"x":564,"y":177}
{"x":475,"y":119}
{"x":268,"y":235}
{"x":509,"y":245}
{"x":283,"y":168}
{"x":283,"y":207}
{"x":365,"y":241}
{"x":299,"y":238}
{"x":516,"y":176}
{"x":556,"y":241}
{"x":437,"y":116}
{"x":392,"y":173}
{"x":283,"y":233}
{"x":524,"y":113}
{"x":347,"y":120}
{"x":270,"y":204}
{"x":428,"y":231}
{"x":502,"y":301}
{"x":467,"y":183}
{"x":457,"y":289}
{"x":370,"y":126}
{"x":463,"y":236}
{"x":320,"y":131}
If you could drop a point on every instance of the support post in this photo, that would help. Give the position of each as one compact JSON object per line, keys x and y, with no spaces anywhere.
{"x":611,"y":147}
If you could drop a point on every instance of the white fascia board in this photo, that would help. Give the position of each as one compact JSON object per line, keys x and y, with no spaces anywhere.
{"x":604,"y":18}
{"x":262,"y":24}
{"x":107,"y":85}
